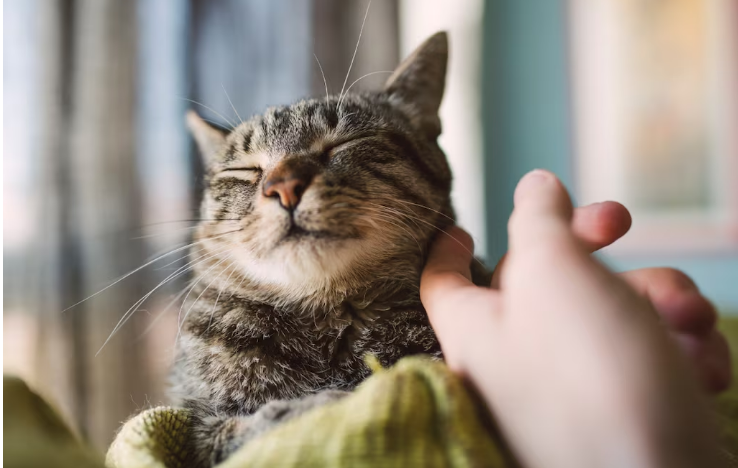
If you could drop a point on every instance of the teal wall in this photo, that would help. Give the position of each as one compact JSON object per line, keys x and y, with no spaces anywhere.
{"x":525,"y":102}
{"x":527,"y":119}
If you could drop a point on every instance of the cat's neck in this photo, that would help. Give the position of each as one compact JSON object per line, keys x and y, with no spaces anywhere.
{"x":380,"y":293}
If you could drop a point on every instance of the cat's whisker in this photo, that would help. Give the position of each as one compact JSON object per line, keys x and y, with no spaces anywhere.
{"x":160,"y":234}
{"x":414,"y":217}
{"x":212,"y":110}
{"x":410,"y":216}
{"x":407,"y":230}
{"x":391,"y":220}
{"x":179,"y":259}
{"x":132,"y":310}
{"x":244,"y":277}
{"x":389,"y":211}
{"x":325,"y":82}
{"x":161,"y":314}
{"x":340,"y":100}
{"x":231,"y":103}
{"x":144,"y":266}
{"x":396,"y":212}
{"x":179,"y":272}
{"x":184,"y":319}
{"x":382,"y":210}
{"x":356,"y":49}
{"x":180,"y":320}
{"x":165,"y":250}
{"x":427,"y":208}
{"x":220,"y":291}
{"x":194,"y":220}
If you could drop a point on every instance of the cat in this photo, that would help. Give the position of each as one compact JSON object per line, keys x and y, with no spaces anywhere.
{"x":316,"y":222}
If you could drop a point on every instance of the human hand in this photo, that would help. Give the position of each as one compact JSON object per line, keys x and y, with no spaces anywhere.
{"x":690,"y":318}
{"x":573,"y":362}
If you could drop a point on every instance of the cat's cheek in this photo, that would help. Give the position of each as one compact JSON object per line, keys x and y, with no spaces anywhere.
{"x":261,"y":240}
{"x":269,"y":225}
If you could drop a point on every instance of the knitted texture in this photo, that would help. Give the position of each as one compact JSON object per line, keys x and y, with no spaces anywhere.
{"x":415,"y":414}
{"x":156,"y":438}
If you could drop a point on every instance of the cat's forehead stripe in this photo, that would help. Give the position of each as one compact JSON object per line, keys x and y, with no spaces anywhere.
{"x":246,"y":142}
{"x":237,"y":156}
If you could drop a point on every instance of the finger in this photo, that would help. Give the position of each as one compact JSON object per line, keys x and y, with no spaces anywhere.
{"x":675,"y":297}
{"x":455,"y":306}
{"x":600,"y":224}
{"x":447,"y":269}
{"x":597,"y":225}
{"x":718,"y":363}
{"x":542,"y":214}
{"x":710,"y":357}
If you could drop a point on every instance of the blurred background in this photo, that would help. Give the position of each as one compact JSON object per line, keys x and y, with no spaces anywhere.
{"x":624,"y":99}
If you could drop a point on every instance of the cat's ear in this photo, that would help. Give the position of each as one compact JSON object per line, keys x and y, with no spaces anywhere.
{"x":417,"y":84}
{"x":209,"y":139}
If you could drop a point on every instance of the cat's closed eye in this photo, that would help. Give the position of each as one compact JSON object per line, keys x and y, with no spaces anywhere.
{"x":247,"y":173}
{"x":339,"y":146}
{"x":241,"y":168}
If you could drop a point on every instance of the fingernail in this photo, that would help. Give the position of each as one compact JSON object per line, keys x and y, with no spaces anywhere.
{"x":531,"y":181}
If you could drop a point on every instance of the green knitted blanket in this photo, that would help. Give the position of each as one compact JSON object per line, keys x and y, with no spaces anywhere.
{"x":415,"y":414}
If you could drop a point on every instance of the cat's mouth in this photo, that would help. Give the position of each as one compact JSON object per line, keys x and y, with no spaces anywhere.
{"x":297,"y":233}
{"x":311,"y":225}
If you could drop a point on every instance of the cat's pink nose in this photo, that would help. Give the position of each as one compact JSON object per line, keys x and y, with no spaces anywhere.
{"x":288,"y":181}
{"x":289,"y":191}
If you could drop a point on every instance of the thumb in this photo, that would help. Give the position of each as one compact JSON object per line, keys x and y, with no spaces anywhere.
{"x":447,"y":269}
{"x":446,"y":290}
{"x":542,"y":214}
{"x":460,"y":312}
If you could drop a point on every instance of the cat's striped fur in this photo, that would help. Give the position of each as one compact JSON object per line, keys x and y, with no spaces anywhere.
{"x":289,"y":301}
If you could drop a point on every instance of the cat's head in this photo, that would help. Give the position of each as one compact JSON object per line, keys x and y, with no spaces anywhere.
{"x":329,"y":192}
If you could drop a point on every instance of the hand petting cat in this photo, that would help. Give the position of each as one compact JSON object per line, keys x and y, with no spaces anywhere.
{"x":689,"y":316}
{"x":573,"y":361}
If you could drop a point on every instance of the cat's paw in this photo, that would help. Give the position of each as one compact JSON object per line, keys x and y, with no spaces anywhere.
{"x":237,"y":431}
{"x":279,"y":411}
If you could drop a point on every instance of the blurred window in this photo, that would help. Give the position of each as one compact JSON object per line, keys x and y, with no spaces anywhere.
{"x":656,"y":112}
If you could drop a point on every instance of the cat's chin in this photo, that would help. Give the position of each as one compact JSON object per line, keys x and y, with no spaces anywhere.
{"x":304,"y":262}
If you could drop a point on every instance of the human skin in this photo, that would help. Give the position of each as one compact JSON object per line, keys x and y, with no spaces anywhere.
{"x":573,"y":361}
{"x":688,"y":315}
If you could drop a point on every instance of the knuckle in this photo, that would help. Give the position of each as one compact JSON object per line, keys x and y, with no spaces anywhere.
{"x":677,"y":278}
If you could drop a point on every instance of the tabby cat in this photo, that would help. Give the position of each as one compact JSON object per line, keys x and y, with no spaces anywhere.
{"x":317,"y":218}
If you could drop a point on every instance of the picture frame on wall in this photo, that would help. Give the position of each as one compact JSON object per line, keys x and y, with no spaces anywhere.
{"x":655,"y":105}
